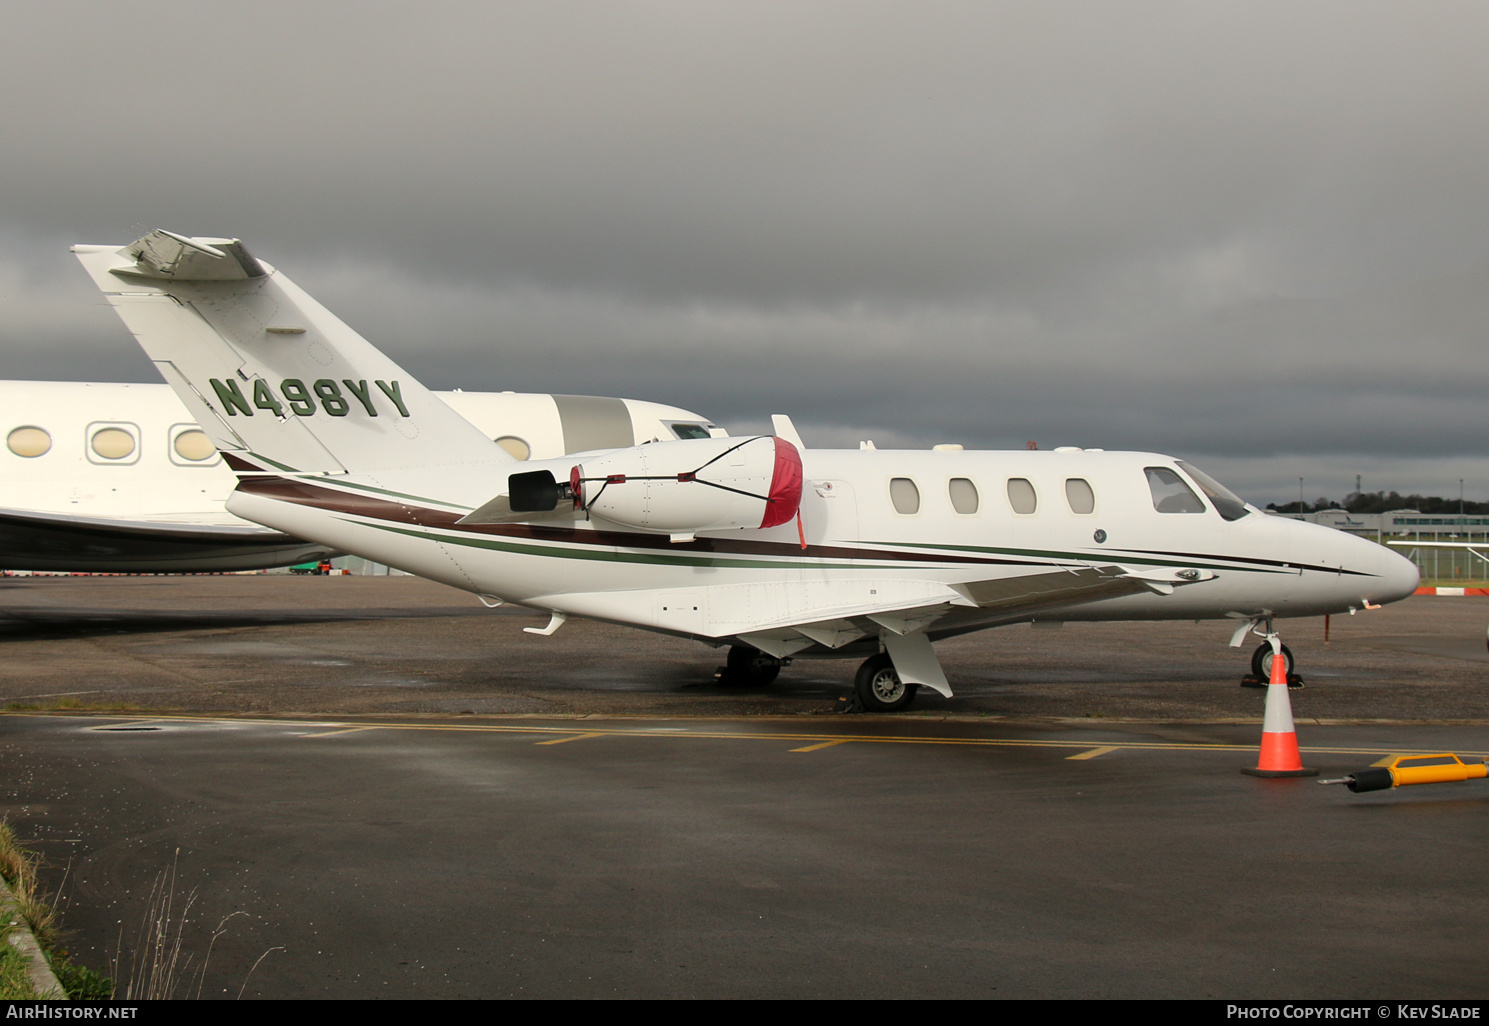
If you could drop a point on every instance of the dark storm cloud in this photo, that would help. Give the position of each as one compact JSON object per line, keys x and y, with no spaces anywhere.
{"x":1255,"y":233}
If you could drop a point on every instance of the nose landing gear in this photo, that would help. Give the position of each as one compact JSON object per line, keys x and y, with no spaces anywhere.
{"x":1261,"y":659}
{"x":1261,"y":668}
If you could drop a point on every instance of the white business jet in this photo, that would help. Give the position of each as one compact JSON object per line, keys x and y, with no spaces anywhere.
{"x":110,"y":477}
{"x":755,"y":542}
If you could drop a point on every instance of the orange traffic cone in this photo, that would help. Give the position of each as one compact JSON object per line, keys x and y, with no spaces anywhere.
{"x":1279,"y":754}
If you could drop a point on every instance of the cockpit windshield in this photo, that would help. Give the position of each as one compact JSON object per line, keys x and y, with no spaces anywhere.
{"x":1226,"y":502}
{"x":1170,"y":493}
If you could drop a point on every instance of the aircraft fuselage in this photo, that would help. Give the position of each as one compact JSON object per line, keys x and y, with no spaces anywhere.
{"x":854,"y":549}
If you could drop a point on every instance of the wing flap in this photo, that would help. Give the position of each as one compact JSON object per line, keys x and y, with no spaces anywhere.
{"x":1032,"y":593}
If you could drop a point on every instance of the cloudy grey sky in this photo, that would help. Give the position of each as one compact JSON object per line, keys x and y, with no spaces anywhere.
{"x":1255,"y":235}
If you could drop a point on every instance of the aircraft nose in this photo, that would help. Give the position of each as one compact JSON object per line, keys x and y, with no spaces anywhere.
{"x":1381,"y":574}
{"x":1370,"y":573}
{"x":1398,"y":576}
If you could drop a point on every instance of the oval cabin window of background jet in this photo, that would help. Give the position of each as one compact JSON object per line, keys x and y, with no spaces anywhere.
{"x":963,"y":495}
{"x":1021,"y":495}
{"x":904,"y":495}
{"x":29,"y":442}
{"x":519,"y":449}
{"x":113,"y":443}
{"x":194,"y":445}
{"x":1078,"y":493}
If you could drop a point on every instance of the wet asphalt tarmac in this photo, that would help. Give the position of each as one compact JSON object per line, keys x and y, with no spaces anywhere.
{"x":392,"y":791}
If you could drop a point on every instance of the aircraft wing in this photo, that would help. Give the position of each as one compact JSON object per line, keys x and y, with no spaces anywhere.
{"x":30,"y":540}
{"x":783,"y":618}
{"x":902,"y":612}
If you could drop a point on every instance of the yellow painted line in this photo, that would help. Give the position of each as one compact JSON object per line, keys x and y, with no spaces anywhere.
{"x":824,"y":744}
{"x":1093,"y":753}
{"x":340,"y":730}
{"x":576,"y":737}
{"x":745,"y":735}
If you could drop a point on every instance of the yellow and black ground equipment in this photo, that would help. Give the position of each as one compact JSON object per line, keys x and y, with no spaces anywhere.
{"x":1401,"y":770}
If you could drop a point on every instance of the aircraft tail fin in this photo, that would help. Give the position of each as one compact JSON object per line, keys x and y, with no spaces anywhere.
{"x":272,"y":376}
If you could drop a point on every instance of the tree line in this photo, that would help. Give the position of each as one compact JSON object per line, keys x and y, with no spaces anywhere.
{"x":1382,"y":502}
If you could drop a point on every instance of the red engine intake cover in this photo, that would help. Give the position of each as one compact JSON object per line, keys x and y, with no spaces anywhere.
{"x":785,"y":485}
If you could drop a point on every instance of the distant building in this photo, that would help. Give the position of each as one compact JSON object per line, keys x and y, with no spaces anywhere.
{"x":1401,"y":523}
{"x":1398,"y":525}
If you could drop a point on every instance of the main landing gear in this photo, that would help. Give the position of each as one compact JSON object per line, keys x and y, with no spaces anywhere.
{"x":879,"y":687}
{"x":750,"y":667}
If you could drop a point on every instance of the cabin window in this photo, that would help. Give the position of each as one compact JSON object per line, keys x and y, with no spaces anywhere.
{"x":690,"y":430}
{"x":1078,"y":493}
{"x":1170,"y":493}
{"x":29,"y":442}
{"x":194,"y":445}
{"x":963,"y":495}
{"x":1226,"y":502}
{"x":516,"y":447}
{"x":1021,"y":495}
{"x":904,"y":495}
{"x":112,"y":443}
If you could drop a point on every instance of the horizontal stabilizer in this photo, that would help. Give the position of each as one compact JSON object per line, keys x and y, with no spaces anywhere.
{"x":163,"y":254}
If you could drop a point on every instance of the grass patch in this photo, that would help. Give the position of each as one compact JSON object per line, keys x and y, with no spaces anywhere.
{"x":71,"y":704}
{"x":15,"y":985}
{"x":80,"y":982}
{"x":18,"y":868}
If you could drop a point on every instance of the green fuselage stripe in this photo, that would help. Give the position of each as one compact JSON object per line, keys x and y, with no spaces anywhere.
{"x":1123,"y":556}
{"x":625,"y":556}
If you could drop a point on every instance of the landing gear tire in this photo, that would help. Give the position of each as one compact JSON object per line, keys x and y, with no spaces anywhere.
{"x":879,"y":687}
{"x":751,"y":667}
{"x":1261,"y":667}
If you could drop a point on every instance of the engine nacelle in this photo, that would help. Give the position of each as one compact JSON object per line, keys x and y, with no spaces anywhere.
{"x":696,"y":484}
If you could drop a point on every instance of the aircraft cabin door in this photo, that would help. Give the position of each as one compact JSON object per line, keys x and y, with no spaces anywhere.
{"x":829,"y":512}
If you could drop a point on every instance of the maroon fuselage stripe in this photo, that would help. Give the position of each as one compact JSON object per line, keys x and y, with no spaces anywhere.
{"x":391,"y":511}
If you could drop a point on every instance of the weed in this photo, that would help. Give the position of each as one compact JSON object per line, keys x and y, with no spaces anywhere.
{"x":15,"y":985}
{"x":80,"y":982}
{"x":15,"y":861}
{"x":72,"y":704}
{"x":157,"y":968}
{"x":18,"y":868}
{"x":160,"y":964}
